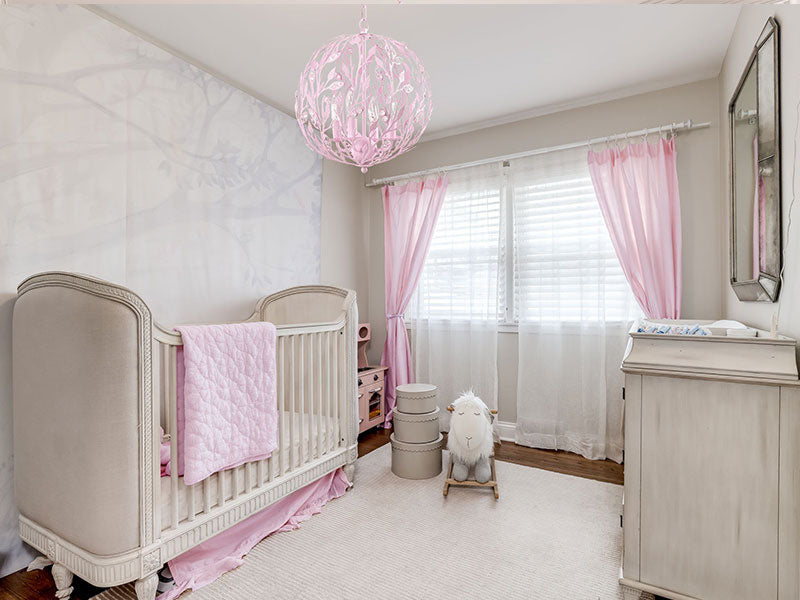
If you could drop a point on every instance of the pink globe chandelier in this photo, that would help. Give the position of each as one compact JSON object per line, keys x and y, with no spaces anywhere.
{"x":363,"y":98}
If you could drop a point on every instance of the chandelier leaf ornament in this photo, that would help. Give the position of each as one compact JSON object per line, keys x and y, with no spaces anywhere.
{"x":363,"y":98}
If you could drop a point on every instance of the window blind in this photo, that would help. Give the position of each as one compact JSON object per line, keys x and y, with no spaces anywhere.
{"x":461,"y":276}
{"x":565,"y":267}
{"x":555,"y":249}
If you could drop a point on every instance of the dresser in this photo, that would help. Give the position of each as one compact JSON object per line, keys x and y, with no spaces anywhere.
{"x":371,"y":406}
{"x":712,"y":468}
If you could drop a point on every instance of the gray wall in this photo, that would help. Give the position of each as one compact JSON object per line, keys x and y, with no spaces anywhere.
{"x":698,"y":169}
{"x":344,"y":256}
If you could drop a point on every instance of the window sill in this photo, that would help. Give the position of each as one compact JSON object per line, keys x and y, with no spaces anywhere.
{"x":569,"y":327}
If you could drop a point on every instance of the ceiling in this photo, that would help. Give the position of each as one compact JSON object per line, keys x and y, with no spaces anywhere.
{"x":488,"y":64}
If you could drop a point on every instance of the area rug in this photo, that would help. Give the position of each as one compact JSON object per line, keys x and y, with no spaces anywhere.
{"x":549,"y":537}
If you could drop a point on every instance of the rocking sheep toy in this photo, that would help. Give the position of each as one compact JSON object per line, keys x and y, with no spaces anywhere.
{"x":471,"y":444}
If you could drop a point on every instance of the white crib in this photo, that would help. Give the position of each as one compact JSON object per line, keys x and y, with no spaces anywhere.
{"x":94,"y":378}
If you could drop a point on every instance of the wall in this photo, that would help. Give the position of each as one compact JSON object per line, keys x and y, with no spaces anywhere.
{"x":122,"y":161}
{"x":344,"y":256}
{"x":698,"y":168}
{"x":748,"y":27}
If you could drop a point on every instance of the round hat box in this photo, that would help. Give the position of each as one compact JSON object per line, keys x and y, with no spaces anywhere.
{"x":416,"y":428}
{"x":416,"y":397}
{"x":417,"y":461}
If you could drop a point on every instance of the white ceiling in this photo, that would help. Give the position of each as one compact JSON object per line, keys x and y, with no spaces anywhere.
{"x":488,"y":63}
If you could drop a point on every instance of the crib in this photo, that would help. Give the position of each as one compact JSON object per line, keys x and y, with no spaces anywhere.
{"x":94,"y":380}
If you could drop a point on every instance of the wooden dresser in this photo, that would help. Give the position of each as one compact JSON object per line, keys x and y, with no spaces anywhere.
{"x":712,"y":468}
{"x":371,"y":406}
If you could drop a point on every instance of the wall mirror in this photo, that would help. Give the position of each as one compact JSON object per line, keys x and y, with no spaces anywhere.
{"x":755,"y":175}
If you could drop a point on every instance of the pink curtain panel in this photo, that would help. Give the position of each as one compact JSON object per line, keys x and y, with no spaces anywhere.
{"x":637,"y":189}
{"x":409,"y":217}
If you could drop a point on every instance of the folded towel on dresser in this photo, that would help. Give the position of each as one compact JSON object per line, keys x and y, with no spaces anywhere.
{"x":227,"y":409}
{"x":646,"y":326}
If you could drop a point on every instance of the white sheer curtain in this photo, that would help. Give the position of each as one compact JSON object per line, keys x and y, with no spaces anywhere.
{"x":454,"y":316}
{"x":574,"y":309}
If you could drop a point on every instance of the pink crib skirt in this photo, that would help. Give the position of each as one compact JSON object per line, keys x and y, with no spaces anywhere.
{"x":203,"y":564}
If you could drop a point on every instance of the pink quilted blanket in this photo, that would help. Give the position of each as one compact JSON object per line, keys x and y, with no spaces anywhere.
{"x":228,"y":414}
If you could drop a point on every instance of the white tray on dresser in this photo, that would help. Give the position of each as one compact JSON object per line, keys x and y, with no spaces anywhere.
{"x":712,"y":468}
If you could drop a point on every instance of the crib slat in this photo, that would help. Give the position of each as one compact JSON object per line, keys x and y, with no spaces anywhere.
{"x":318,"y":366}
{"x":206,"y":495}
{"x":301,"y":375}
{"x":164,"y":384}
{"x":335,"y":363}
{"x":172,"y":399}
{"x":292,"y":413}
{"x":161,"y":416}
{"x":343,"y":399}
{"x":234,"y":481}
{"x":281,"y":403}
{"x":220,"y":487}
{"x":310,"y":402}
{"x":342,"y":387}
{"x":190,"y":502}
{"x":260,"y":472}
{"x":327,"y":391}
{"x":248,"y":477}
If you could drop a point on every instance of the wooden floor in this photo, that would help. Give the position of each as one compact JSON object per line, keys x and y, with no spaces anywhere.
{"x":39,"y":584}
{"x":549,"y":460}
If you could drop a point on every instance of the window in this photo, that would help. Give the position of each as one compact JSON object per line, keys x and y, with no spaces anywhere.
{"x":524,"y":243}
{"x":565,"y":267}
{"x":461,"y":276}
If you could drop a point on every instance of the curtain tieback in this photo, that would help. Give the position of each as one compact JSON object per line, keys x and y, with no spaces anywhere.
{"x":394,"y":316}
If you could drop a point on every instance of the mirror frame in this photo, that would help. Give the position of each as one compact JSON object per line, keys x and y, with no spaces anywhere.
{"x":767,"y":287}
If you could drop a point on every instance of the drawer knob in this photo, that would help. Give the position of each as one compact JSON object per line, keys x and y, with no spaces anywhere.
{"x":359,"y":382}
{"x":375,"y":377}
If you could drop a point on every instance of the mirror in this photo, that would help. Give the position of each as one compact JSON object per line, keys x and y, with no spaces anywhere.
{"x":755,"y":177}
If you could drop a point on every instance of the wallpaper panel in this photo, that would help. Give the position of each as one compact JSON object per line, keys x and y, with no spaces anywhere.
{"x":120,"y":160}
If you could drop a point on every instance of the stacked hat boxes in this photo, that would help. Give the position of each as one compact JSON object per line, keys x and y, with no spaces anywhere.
{"x":416,"y":441}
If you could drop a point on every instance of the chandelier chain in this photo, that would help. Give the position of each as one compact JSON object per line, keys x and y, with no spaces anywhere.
{"x":363,"y":22}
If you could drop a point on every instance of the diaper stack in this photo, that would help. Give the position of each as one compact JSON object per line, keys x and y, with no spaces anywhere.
{"x":416,"y":441}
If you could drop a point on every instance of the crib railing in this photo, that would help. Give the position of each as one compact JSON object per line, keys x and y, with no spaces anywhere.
{"x":312,"y":418}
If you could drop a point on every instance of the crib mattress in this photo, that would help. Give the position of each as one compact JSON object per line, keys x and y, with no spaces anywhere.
{"x":310,"y":425}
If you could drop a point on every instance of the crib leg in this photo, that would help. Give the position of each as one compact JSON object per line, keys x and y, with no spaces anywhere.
{"x":63,"y":579}
{"x":350,"y":471}
{"x":146,"y":587}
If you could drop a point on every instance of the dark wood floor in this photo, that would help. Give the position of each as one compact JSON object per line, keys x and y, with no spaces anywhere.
{"x":549,"y":460}
{"x":39,"y":584}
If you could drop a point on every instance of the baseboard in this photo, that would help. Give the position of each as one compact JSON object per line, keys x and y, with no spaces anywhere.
{"x":506,"y":430}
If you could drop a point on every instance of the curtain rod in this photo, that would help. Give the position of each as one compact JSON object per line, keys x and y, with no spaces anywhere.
{"x":687,"y":125}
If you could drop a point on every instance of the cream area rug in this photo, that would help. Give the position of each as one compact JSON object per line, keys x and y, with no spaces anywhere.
{"x":548,"y":537}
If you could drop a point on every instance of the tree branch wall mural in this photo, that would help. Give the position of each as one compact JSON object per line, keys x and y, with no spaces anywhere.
{"x":120,"y":160}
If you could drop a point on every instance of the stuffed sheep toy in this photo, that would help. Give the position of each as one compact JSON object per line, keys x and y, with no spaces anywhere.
{"x":471,"y":440}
